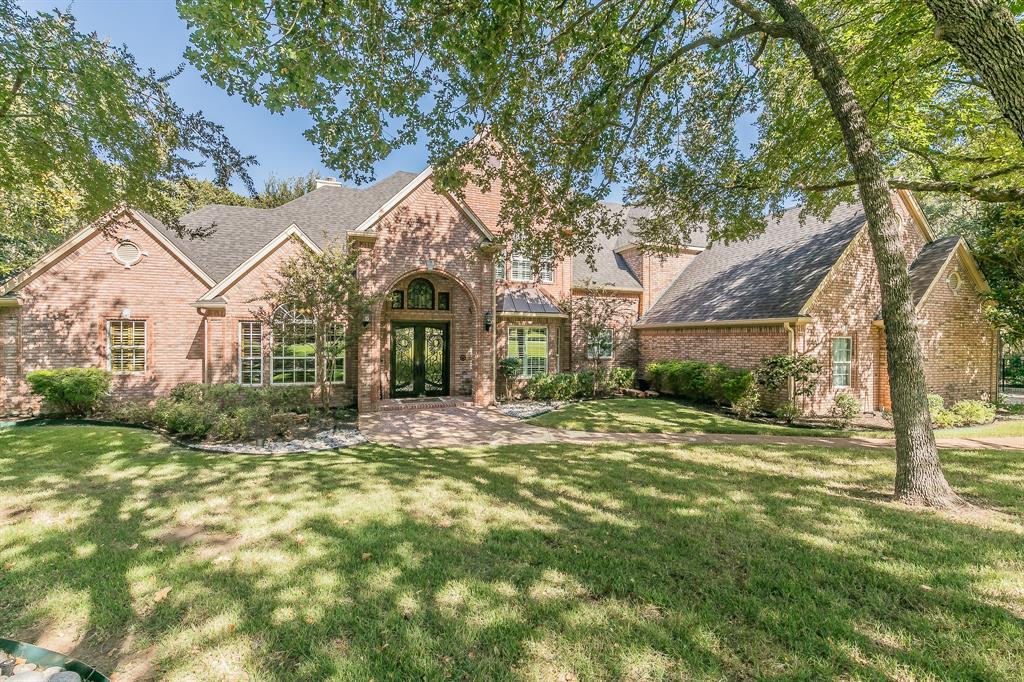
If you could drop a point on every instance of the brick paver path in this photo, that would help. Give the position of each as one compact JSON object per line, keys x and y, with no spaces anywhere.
{"x":468,"y":426}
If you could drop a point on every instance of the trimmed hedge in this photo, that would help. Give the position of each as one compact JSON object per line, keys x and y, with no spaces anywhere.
{"x":702,"y":382}
{"x":76,"y":391}
{"x":579,"y":385}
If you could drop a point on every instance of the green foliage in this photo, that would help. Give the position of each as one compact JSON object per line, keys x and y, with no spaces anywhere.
{"x":187,"y":419}
{"x":962,"y":413}
{"x":325,"y":286}
{"x":788,"y":411}
{"x":618,"y":378}
{"x":701,"y":381}
{"x":243,"y":423}
{"x":562,"y":386}
{"x":279,"y":191}
{"x":845,"y":409}
{"x":655,"y":99}
{"x":774,"y":372}
{"x":1013,"y":370}
{"x":75,"y":391}
{"x":748,"y":403}
{"x":509,"y":368}
{"x":84,"y":127}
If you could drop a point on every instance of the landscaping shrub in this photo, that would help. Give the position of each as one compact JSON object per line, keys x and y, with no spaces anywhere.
{"x":701,"y":381}
{"x":747,"y":404}
{"x":75,"y":391}
{"x":561,"y":386}
{"x":243,"y":423}
{"x":844,"y":410}
{"x":191,"y":420}
{"x":788,"y":411}
{"x":129,"y":412}
{"x":773,"y":373}
{"x":962,"y":413}
{"x":618,"y":378}
{"x":972,"y":412}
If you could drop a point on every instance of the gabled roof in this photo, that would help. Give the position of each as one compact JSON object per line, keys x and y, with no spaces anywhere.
{"x":326,"y":213}
{"x":769,"y":277}
{"x":928,"y":264}
{"x":152,"y":226}
{"x":610,"y":269}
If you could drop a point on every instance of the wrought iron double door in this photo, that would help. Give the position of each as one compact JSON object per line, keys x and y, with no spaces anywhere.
{"x":419,"y":359}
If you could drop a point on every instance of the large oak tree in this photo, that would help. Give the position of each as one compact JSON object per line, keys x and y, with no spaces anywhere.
{"x":662,"y":97}
{"x":84,"y":127}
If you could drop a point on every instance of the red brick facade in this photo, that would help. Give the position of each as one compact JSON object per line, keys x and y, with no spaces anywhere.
{"x":63,"y":310}
{"x":960,"y":346}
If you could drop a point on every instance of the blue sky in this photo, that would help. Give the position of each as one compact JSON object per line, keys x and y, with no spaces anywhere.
{"x":157,"y":37}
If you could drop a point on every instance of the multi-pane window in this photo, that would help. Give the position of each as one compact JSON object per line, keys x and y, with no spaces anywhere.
{"x":421,"y":295}
{"x":547,"y":269}
{"x":522,"y":268}
{"x":530,"y":345}
{"x":293,"y":351}
{"x":499,"y":269}
{"x":250,"y":353}
{"x":842,"y":361}
{"x":334,"y":352}
{"x":127,"y":345}
{"x":600,"y":344}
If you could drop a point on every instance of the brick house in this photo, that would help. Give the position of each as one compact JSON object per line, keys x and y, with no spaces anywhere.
{"x":130,"y":295}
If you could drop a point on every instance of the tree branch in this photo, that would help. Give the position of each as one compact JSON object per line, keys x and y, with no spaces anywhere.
{"x":981,"y":193}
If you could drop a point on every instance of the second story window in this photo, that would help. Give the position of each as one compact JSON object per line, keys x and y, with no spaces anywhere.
{"x":522,"y":268}
{"x":499,"y":269}
{"x":547,"y":269}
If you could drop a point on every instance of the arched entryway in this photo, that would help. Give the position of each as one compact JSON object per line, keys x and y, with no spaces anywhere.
{"x":432,"y":341}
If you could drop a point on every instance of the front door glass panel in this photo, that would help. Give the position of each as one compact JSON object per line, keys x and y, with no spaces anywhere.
{"x":419,"y":359}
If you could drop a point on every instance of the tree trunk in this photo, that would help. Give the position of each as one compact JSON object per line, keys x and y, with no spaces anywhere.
{"x":986,"y":35}
{"x":919,"y":477}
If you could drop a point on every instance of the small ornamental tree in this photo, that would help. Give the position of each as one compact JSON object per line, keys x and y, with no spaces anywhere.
{"x":595,"y":311}
{"x":777,"y":371}
{"x":322,"y":287}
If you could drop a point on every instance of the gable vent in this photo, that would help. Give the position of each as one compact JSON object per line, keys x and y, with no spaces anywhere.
{"x":127,"y":253}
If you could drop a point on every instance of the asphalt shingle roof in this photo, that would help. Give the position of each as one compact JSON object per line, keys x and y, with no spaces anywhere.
{"x":610,"y":269}
{"x":769,"y":276}
{"x":323,"y":214}
{"x":928,"y":264}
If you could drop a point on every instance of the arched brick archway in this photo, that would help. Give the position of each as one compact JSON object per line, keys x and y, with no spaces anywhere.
{"x":455,"y":309}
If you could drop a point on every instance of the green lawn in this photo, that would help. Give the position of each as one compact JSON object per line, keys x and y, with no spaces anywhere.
{"x":644,"y":415}
{"x":528,"y":562}
{"x":641,"y":415}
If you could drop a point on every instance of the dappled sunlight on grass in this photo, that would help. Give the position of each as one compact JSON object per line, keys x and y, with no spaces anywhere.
{"x":608,"y":562}
{"x":645,"y":415}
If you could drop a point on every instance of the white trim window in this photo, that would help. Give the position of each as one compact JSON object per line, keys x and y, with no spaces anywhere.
{"x":250,"y":353}
{"x":499,"y":269}
{"x":547,"y":269}
{"x":334,"y":352}
{"x":530,"y":345}
{"x":522,"y":268}
{"x":126,"y":346}
{"x":842,"y":362}
{"x":293,"y":348}
{"x":600,"y":345}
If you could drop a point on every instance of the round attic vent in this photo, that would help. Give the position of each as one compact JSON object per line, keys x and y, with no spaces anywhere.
{"x":127,"y":253}
{"x":955,"y":281}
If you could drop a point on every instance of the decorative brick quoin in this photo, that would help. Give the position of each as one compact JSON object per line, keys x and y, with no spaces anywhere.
{"x":130,"y":295}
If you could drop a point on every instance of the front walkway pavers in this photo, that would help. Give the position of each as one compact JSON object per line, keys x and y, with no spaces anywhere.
{"x":468,"y":426}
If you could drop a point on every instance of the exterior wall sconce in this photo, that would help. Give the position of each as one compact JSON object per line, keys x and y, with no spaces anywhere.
{"x":488,"y":320}
{"x":366,"y":321}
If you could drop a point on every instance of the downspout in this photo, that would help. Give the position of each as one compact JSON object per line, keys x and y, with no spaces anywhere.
{"x":788,"y":326}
